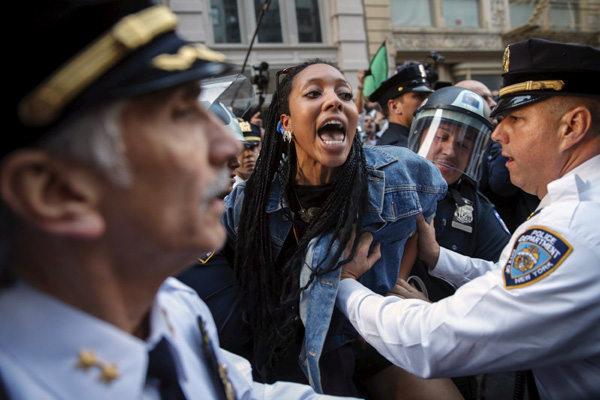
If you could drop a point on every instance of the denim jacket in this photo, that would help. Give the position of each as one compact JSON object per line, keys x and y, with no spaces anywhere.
{"x":401,"y":186}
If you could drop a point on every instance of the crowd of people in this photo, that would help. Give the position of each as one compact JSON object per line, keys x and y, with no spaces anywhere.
{"x":161,"y":241}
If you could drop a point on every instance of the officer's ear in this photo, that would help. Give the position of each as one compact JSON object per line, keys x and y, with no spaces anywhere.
{"x":52,"y":194}
{"x":395,"y":106}
{"x":574,"y":126}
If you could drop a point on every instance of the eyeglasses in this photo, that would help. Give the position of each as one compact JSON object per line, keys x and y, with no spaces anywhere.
{"x":282,"y":72}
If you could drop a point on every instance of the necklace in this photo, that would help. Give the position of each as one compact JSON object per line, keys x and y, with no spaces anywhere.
{"x":306,"y":215}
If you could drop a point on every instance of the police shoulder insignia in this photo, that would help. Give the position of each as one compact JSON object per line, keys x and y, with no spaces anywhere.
{"x":537,"y":252}
{"x":501,"y":221}
{"x":206,"y":257}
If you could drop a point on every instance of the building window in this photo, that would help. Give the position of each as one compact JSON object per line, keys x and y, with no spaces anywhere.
{"x":461,"y":13}
{"x":284,"y":22}
{"x":436,"y":13}
{"x":225,"y":21}
{"x":270,"y":28}
{"x":411,"y":13}
{"x":309,"y":22}
{"x":556,"y":14}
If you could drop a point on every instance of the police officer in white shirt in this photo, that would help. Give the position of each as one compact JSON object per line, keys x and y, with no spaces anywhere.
{"x":537,"y":307}
{"x":110,"y":183}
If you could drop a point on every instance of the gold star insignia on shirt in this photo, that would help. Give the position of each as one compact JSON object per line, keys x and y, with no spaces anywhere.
{"x":87,"y":359}
{"x":109,"y":373}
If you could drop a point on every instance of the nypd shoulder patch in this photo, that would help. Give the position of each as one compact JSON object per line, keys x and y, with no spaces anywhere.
{"x":501,"y":222}
{"x":537,"y":252}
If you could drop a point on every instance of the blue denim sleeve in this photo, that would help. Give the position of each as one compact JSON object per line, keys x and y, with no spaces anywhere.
{"x":233,"y":207}
{"x":412,"y":186}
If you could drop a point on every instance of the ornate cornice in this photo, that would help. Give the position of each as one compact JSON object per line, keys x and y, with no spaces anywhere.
{"x":448,"y":41}
{"x":498,"y":14}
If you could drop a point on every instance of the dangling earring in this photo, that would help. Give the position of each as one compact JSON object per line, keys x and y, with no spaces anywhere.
{"x":287,"y":135}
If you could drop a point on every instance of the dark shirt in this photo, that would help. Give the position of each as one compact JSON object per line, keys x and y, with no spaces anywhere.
{"x":394,"y":135}
{"x":486,"y":240}
{"x":464,"y":209}
{"x":212,"y":278}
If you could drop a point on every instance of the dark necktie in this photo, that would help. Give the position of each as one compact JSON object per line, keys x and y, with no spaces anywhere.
{"x":218,"y":371}
{"x":161,"y":367}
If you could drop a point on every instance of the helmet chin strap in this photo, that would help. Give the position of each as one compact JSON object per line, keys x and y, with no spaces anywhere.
{"x":458,"y":199}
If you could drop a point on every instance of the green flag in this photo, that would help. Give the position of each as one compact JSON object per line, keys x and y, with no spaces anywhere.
{"x":378,"y":71}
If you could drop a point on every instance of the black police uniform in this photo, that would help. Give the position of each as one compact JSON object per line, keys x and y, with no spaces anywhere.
{"x":394,"y":135}
{"x":212,"y":277}
{"x":465,"y":222}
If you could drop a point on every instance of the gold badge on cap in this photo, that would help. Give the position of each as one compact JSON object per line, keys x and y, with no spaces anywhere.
{"x":506,"y":59}
{"x":245,"y":125}
{"x":185,"y":57}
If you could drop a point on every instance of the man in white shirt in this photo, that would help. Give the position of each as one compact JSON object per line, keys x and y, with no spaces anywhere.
{"x":537,"y":307}
{"x":110,"y":183}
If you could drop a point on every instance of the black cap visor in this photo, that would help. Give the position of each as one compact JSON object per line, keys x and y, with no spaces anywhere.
{"x":420,"y":88}
{"x":512,"y":102}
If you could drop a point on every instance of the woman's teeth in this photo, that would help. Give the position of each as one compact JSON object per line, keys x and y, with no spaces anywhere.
{"x":332,"y":133}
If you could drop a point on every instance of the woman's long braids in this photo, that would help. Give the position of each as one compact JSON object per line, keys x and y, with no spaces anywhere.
{"x":269,"y":292}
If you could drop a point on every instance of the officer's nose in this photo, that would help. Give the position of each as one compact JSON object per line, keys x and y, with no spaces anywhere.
{"x":449,"y":148}
{"x":499,"y":134}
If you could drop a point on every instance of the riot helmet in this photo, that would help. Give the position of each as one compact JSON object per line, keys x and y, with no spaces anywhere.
{"x":452,"y":129}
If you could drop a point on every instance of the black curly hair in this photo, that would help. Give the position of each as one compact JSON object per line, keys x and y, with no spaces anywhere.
{"x":269,"y":292}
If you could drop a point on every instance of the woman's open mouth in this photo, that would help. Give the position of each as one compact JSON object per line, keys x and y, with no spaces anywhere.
{"x":332,"y":133}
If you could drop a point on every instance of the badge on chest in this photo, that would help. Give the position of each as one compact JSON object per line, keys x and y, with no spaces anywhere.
{"x":463,"y":216}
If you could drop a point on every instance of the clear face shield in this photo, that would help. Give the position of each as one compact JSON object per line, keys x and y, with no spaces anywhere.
{"x":453,"y":140}
{"x":228,"y":97}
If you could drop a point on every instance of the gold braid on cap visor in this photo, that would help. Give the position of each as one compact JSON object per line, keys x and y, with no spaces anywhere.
{"x":43,"y":105}
{"x":531,"y":86}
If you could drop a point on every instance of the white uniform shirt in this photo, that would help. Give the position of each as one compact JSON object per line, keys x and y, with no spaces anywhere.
{"x":50,"y":350}
{"x":537,"y":308}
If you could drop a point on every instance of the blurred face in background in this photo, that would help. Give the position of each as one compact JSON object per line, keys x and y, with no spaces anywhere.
{"x":247,"y":160}
{"x":369,"y":125}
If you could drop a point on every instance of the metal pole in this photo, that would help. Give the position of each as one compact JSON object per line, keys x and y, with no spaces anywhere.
{"x":265,"y":7}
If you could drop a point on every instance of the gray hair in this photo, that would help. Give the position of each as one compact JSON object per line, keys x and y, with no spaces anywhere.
{"x":93,"y":138}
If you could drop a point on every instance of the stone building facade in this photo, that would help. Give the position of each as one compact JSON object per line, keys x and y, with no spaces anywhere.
{"x":470,"y":35}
